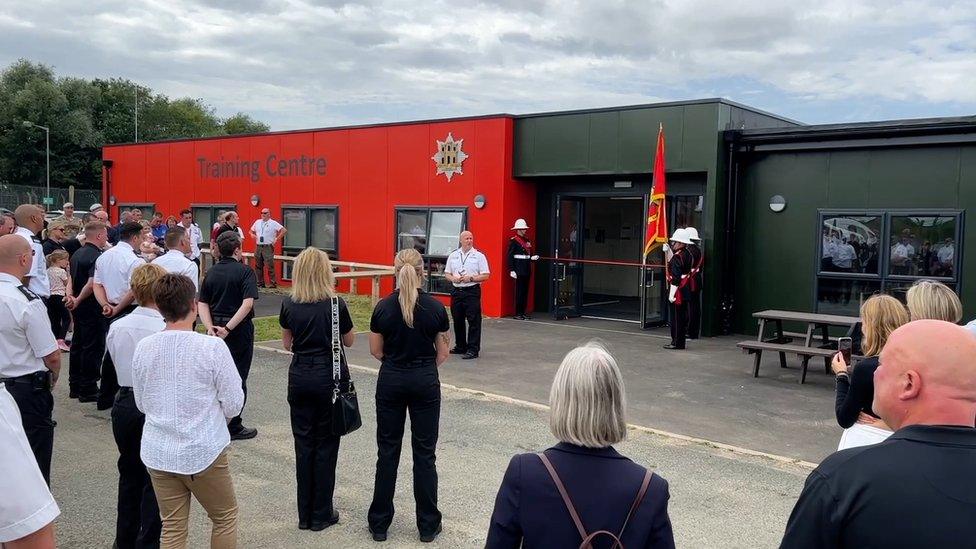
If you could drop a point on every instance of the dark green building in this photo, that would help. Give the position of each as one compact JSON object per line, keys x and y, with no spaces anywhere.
{"x":860,"y":208}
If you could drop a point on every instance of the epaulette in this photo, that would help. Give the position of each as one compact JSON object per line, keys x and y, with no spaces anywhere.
{"x":31,"y":296}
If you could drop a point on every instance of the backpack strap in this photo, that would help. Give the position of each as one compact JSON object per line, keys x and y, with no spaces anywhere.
{"x":564,"y":494}
{"x":637,"y":501}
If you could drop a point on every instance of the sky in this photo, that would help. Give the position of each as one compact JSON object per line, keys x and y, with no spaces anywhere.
{"x":318,"y":63}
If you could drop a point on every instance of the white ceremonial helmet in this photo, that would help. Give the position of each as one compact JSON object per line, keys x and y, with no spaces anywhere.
{"x":681,"y":235}
{"x":520,"y":224}
{"x":692,"y":234}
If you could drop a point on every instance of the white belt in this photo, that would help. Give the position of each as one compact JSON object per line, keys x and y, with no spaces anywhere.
{"x":520,"y":256}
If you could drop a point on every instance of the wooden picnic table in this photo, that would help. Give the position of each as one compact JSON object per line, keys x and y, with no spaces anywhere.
{"x":782,"y":342}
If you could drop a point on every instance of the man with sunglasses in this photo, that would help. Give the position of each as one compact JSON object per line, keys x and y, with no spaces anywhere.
{"x":266,"y":232}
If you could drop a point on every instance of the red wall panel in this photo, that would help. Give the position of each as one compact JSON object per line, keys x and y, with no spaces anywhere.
{"x":369,"y":172}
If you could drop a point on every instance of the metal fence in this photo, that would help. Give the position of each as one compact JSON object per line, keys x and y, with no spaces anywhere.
{"x":13,"y":195}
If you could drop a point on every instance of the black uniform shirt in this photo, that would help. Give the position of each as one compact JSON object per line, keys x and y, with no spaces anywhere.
{"x":82,"y":267}
{"x":522,"y":267}
{"x":402,"y":344}
{"x":696,"y":257}
{"x":50,"y":245}
{"x":226,"y":286}
{"x":916,"y":489}
{"x":679,"y":266}
{"x":311,"y":325}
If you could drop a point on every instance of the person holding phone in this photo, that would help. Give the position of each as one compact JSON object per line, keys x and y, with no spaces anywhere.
{"x":880,"y":315}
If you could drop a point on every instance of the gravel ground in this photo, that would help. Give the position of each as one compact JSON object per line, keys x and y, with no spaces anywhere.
{"x":718,"y":498}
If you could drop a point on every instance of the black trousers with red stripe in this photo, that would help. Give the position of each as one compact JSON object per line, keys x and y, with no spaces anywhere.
{"x":679,"y":324}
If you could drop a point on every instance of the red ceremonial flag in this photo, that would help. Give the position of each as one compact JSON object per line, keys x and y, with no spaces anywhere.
{"x":657,"y":222}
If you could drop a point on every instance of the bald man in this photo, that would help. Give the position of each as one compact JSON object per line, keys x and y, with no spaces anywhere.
{"x":30,"y":223}
{"x":466,"y":268}
{"x":29,"y":356}
{"x":917,"y":488}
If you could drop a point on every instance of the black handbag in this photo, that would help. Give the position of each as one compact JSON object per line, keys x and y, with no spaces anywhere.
{"x":345,"y":403}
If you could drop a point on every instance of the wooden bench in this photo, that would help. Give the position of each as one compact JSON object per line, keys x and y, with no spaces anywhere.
{"x":805,"y":353}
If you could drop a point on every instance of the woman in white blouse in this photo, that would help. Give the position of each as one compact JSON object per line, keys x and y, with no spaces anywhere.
{"x":188,"y":387}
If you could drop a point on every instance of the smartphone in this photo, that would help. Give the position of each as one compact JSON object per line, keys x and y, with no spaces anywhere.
{"x":845,"y":345}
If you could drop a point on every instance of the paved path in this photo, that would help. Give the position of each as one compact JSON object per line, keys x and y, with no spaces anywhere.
{"x":718,"y":498}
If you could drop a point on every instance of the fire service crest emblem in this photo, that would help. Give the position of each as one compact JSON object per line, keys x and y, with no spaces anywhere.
{"x":449,"y":156}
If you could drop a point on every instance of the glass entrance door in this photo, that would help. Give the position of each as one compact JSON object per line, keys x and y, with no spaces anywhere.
{"x":567,"y":280}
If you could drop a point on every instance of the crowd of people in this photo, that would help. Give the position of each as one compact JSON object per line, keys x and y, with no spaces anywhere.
{"x":899,"y":479}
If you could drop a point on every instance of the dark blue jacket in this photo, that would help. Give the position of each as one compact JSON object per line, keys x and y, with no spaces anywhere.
{"x":530,"y":513}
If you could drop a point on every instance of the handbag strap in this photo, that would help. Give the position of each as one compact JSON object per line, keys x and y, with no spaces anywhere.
{"x":575,"y":515}
{"x":336,"y":349}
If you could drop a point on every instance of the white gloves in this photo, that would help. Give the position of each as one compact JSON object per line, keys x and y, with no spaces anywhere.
{"x":512,"y":274}
{"x":673,"y":293}
{"x":534,"y":258}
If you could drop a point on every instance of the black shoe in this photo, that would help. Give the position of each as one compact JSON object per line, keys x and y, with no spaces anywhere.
{"x":244,"y":433}
{"x":427,"y":538}
{"x":673,"y":347}
{"x":103,"y":405}
{"x":378,"y":536}
{"x":519,"y":317}
{"x":526,"y":317}
{"x":88,"y":398}
{"x":469,"y":355}
{"x":459,"y":351}
{"x":302,"y":525}
{"x":319,"y":526}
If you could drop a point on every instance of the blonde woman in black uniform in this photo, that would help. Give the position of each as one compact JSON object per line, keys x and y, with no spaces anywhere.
{"x":306,"y":322}
{"x":409,"y":335}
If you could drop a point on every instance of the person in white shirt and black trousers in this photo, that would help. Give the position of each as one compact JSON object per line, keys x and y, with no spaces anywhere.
{"x":467,"y":269}
{"x":29,"y":356}
{"x":266,"y":232}
{"x":111,"y":288}
{"x":137,"y":523}
{"x":188,"y":387}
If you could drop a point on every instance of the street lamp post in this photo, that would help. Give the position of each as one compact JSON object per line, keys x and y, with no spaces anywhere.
{"x":47,"y":147}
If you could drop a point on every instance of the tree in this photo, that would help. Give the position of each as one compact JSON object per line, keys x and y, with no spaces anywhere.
{"x":85,"y":115}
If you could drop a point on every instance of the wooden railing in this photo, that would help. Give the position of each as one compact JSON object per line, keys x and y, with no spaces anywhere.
{"x":355,"y":271}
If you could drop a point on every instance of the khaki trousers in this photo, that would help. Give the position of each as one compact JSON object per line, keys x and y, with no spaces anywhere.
{"x":213,"y":488}
{"x":264,"y":255}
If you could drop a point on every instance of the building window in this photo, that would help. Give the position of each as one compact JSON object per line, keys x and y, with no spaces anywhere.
{"x":863,"y":253}
{"x":206,"y":216}
{"x":314,"y":226}
{"x":434,"y":233}
{"x":147,"y":209}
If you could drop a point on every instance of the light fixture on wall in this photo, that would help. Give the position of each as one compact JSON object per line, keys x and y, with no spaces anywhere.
{"x":111,"y":200}
{"x":777,"y":203}
{"x":255,"y":200}
{"x":479,"y":201}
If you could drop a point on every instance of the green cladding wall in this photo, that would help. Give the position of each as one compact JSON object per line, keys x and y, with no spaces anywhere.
{"x":776,"y":253}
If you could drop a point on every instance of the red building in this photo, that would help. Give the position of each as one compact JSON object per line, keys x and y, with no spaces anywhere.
{"x":360,"y":193}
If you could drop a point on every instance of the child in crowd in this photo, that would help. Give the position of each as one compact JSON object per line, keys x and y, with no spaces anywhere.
{"x":57,"y":273}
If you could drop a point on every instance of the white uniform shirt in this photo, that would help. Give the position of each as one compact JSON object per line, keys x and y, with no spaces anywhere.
{"x":188,"y":387}
{"x":844,"y":255}
{"x":27,"y":505}
{"x":196,"y":237}
{"x":25,"y":330}
{"x":946,"y":253}
{"x":471,"y":263}
{"x":266,"y":230}
{"x":113,"y":269}
{"x":125,"y":333}
{"x":38,"y":283}
{"x":174,"y":261}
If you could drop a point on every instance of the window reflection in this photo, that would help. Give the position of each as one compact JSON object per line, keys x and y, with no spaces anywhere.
{"x":840,"y":296}
{"x":850,"y":244}
{"x":923,"y":246}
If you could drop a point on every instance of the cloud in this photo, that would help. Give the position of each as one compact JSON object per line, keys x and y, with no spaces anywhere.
{"x":308,"y":63}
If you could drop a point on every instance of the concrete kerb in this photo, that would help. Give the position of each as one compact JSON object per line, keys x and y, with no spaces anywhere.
{"x":739,"y":450}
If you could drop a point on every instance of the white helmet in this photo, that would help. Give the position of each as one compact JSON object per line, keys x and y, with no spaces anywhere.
{"x":520,"y":224}
{"x":693,"y":234}
{"x":681,"y":235}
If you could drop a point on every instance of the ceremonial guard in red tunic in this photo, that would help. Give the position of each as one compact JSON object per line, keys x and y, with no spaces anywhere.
{"x":520,"y":258}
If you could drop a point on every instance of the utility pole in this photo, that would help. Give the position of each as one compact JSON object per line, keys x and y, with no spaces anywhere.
{"x":47,"y":150}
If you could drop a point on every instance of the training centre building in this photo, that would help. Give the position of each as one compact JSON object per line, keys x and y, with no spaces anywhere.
{"x":792,"y":216}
